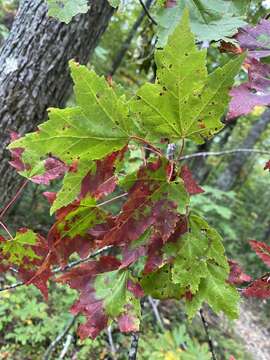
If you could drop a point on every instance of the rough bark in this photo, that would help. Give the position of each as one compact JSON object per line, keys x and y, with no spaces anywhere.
{"x":34,"y":71}
{"x":233,"y":170}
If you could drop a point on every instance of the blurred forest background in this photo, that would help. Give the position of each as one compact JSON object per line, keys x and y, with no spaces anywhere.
{"x":235,"y":202}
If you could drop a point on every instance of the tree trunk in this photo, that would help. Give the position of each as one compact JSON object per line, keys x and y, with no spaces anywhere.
{"x":34,"y":72}
{"x":233,"y":170}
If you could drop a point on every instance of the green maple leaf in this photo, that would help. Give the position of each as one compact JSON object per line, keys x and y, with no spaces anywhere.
{"x":114,"y":3}
{"x":184,"y":102}
{"x":97,"y":126}
{"x":194,"y":251}
{"x":159,"y":284}
{"x":64,"y":10}
{"x":210,"y":19}
{"x":72,"y":185}
{"x":215,"y":290}
{"x":20,"y":247}
{"x":200,"y":266}
{"x":112,"y":288}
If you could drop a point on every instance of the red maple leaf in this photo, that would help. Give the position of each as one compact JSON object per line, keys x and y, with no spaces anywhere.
{"x":267,"y":166}
{"x":262,"y":250}
{"x":103,"y":181}
{"x":191,"y":185}
{"x":259,"y":288}
{"x":237,"y":276}
{"x":142,"y":208}
{"x":82,"y":279}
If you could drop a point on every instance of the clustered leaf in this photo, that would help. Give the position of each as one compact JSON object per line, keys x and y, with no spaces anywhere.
{"x":160,"y":247}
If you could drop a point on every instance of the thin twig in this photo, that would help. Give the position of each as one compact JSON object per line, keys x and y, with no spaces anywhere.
{"x":59,"y":269}
{"x":210,"y":342}
{"x":61,"y":336}
{"x":225,"y":152}
{"x":13,"y":286}
{"x":126,"y":44}
{"x":181,"y":149}
{"x":12,"y":201}
{"x":135,"y":336}
{"x":154,"y":304}
{"x":66,"y":346}
{"x":147,"y":143}
{"x":147,"y":12}
{"x":111,"y":342}
{"x":81,"y":261}
{"x":6,"y":230}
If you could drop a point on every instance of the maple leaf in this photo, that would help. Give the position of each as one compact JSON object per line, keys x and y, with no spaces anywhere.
{"x":88,"y":177}
{"x":64,"y":10}
{"x":253,"y":93}
{"x":260,"y":288}
{"x":102,"y":182}
{"x":237,"y":276}
{"x":190,"y":184}
{"x":72,"y":184}
{"x":267,"y":166}
{"x":105,"y":293}
{"x":214,"y":290}
{"x":193,"y":252}
{"x":20,"y":247}
{"x":70,"y":234}
{"x":153,"y":204}
{"x":262,"y":250}
{"x":27,"y":253}
{"x":210,"y":20}
{"x":255,"y":39}
{"x":43,"y":172}
{"x":159,"y":284}
{"x":96,"y":127}
{"x":199,"y":266}
{"x":184,"y":102}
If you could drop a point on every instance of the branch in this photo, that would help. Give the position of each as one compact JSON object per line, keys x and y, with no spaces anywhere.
{"x":134,"y":346}
{"x":225,"y":152}
{"x":210,"y":342}
{"x":147,"y":13}
{"x":14,"y":199}
{"x":59,"y":269}
{"x":110,"y":338}
{"x":154,"y":304}
{"x":13,"y":286}
{"x":61,"y":336}
{"x":66,"y":346}
{"x":126,"y":44}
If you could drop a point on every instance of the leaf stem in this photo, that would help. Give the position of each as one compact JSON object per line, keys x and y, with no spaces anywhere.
{"x":147,"y":143}
{"x":6,"y":230}
{"x":147,"y":12}
{"x":181,"y":149}
{"x":12,"y":201}
{"x":206,"y":329}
